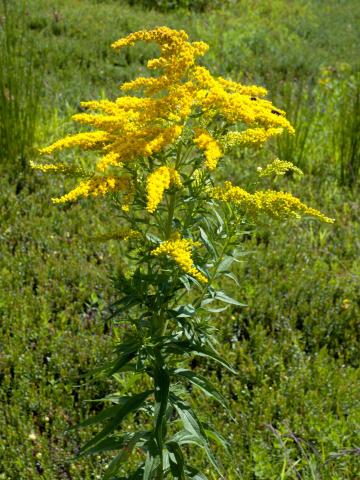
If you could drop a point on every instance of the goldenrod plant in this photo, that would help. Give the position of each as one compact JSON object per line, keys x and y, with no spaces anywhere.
{"x":163,"y":146}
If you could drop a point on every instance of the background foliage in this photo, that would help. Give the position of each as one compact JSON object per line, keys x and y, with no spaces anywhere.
{"x":295,"y":344}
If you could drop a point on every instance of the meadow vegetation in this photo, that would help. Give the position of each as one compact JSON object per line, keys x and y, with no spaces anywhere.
{"x":295,"y":345}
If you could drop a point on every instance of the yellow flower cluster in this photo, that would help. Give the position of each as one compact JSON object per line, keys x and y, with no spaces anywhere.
{"x":58,"y":168}
{"x":251,"y":136}
{"x":179,"y":249}
{"x":95,"y":187}
{"x":209,"y":145}
{"x":86,"y":141}
{"x":275,"y":204}
{"x":278,"y":167}
{"x":178,"y":55}
{"x":224,"y":97}
{"x":133,"y":128}
{"x":156,"y":184}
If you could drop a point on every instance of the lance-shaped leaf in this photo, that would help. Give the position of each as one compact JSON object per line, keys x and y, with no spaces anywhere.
{"x":184,"y":437}
{"x":187,"y":346}
{"x":123,"y":455}
{"x":151,"y":465}
{"x":130,"y":404}
{"x":162,"y":385}
{"x":192,"y":424}
{"x":201,"y":382}
{"x":206,"y":241}
{"x":226,"y":299}
{"x":215,"y":436}
{"x":101,"y":417}
{"x":126,"y":352}
{"x":176,"y":459}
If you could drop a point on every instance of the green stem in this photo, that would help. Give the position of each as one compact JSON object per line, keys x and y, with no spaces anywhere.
{"x":168,"y":226}
{"x":161,"y":392}
{"x":198,"y":301}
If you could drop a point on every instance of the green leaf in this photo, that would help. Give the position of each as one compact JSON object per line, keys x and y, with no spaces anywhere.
{"x":225,"y":264}
{"x":216,"y":310}
{"x":226,"y":299}
{"x":193,"y":425}
{"x":122,"y":456}
{"x":185,"y":311}
{"x":184,"y":437}
{"x":216,"y":437}
{"x":204,"y":384}
{"x":107,"y":444}
{"x":185,"y":281}
{"x":162,"y":384}
{"x":208,"y":244}
{"x":122,"y":361}
{"x":233,"y":277}
{"x":114,"y":465}
{"x":129,"y":405}
{"x":127,"y":350}
{"x":176,"y":459}
{"x":101,"y":417}
{"x":188,"y":346}
{"x":151,"y":464}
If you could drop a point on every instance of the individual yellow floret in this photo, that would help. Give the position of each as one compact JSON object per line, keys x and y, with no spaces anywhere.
{"x":179,"y":250}
{"x":156,"y":184}
{"x":204,"y":141}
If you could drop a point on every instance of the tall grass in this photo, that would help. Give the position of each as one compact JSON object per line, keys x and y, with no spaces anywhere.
{"x":20,"y":88}
{"x":297,"y":98}
{"x":346,"y":130}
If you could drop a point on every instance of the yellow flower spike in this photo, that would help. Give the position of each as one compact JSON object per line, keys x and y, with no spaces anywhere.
{"x":251,"y":136}
{"x":179,"y":250}
{"x":57,"y":168}
{"x":204,"y":141}
{"x":86,"y":141}
{"x":237,"y":102}
{"x":278,"y":167}
{"x":177,"y":57}
{"x":95,"y":187}
{"x":232,"y":87}
{"x":111,"y":159}
{"x":156,"y":184}
{"x":278,"y":205}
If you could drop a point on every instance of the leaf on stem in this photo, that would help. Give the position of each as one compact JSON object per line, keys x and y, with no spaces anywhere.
{"x":131,"y":404}
{"x":204,"y":384}
{"x":193,"y":425}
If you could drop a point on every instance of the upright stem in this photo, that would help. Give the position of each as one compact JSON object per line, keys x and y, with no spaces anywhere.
{"x":161,"y":392}
{"x":168,"y":227}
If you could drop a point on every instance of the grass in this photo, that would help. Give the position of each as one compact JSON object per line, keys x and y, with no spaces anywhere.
{"x":20,"y":88}
{"x":296,"y":343}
